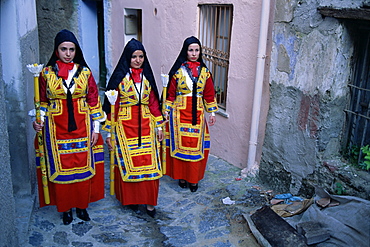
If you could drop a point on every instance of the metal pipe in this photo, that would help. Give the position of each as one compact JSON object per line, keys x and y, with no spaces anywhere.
{"x":258,"y":86}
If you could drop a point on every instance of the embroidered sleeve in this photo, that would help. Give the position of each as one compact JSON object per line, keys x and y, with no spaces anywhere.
{"x":171,"y":95}
{"x":209,"y":95}
{"x":42,"y":87}
{"x":107,"y":126}
{"x":92,"y":98}
{"x":155,"y":110}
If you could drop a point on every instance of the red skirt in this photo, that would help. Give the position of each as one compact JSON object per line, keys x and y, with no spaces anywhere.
{"x":144,"y":192}
{"x":136,"y":178}
{"x":76,"y":195}
{"x":190,"y":171}
{"x":75,"y":170}
{"x":176,"y":168}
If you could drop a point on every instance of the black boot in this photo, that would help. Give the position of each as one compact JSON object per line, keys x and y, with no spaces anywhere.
{"x":82,"y":214}
{"x":193,"y":188}
{"x":67,"y":217}
{"x":135,"y":208}
{"x":151,"y":213}
{"x":183,"y":183}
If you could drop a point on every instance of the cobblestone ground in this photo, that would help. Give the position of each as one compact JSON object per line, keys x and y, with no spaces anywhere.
{"x":183,"y":218}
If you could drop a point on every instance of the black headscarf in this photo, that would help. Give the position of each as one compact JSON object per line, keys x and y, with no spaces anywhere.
{"x":183,"y":57}
{"x":67,"y":36}
{"x":123,"y":68}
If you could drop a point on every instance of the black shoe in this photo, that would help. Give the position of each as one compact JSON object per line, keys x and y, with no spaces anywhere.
{"x":67,"y":217}
{"x":193,"y":188}
{"x":151,"y":213}
{"x":82,"y":214}
{"x":134,"y":207}
{"x":183,"y":184}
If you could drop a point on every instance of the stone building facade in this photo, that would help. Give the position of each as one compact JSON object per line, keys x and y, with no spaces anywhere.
{"x":312,"y":63}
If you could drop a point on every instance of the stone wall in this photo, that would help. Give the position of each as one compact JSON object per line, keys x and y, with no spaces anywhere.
{"x":309,"y":73}
{"x":19,"y":24}
{"x":53,"y":16}
{"x":7,"y":236}
{"x":18,"y":47}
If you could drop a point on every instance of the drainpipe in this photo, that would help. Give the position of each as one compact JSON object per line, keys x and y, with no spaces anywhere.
{"x":252,"y":165}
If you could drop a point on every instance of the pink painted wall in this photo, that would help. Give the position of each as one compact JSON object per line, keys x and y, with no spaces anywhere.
{"x":163,"y":35}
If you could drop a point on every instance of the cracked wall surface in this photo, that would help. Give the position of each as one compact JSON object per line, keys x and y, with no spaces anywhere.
{"x":310,"y":69}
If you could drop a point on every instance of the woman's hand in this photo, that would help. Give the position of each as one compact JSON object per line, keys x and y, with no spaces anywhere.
{"x":160,"y":135}
{"x":37,"y":126}
{"x":108,"y":141}
{"x":94,"y":138}
{"x":212,"y":120}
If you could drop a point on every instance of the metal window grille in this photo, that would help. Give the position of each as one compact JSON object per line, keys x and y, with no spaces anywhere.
{"x":358,"y":113}
{"x":214,"y":33}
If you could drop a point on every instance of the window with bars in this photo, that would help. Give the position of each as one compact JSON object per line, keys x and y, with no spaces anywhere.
{"x":214,"y":33}
{"x":358,"y":112}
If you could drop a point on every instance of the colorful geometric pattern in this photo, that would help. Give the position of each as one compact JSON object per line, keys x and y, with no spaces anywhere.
{"x":70,"y":157}
{"x":147,"y":153}
{"x":187,"y":142}
{"x":136,"y":163}
{"x":183,"y":89}
{"x":128,"y":97}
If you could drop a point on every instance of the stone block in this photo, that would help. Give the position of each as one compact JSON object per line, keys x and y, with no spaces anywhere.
{"x":313,"y":232}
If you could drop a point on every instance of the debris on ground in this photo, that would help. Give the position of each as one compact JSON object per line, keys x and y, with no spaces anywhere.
{"x":325,"y":220}
{"x":228,"y":201}
{"x":287,"y":205}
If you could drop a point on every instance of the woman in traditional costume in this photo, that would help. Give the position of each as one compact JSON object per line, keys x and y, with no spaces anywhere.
{"x":73,"y":147}
{"x":138,"y":132}
{"x":190,"y":94}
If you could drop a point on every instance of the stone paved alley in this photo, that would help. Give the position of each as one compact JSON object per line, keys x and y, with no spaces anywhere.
{"x":183,"y":218}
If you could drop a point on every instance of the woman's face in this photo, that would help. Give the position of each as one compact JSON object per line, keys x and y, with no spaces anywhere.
{"x":66,"y":51}
{"x":137,"y":59}
{"x":193,"y":52}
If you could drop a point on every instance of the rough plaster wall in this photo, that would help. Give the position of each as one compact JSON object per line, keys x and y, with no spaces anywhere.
{"x":19,"y":100}
{"x":19,"y":46}
{"x":30,"y":54}
{"x":310,"y":68}
{"x":7,"y":234}
{"x":16,"y":24}
{"x":53,"y":16}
